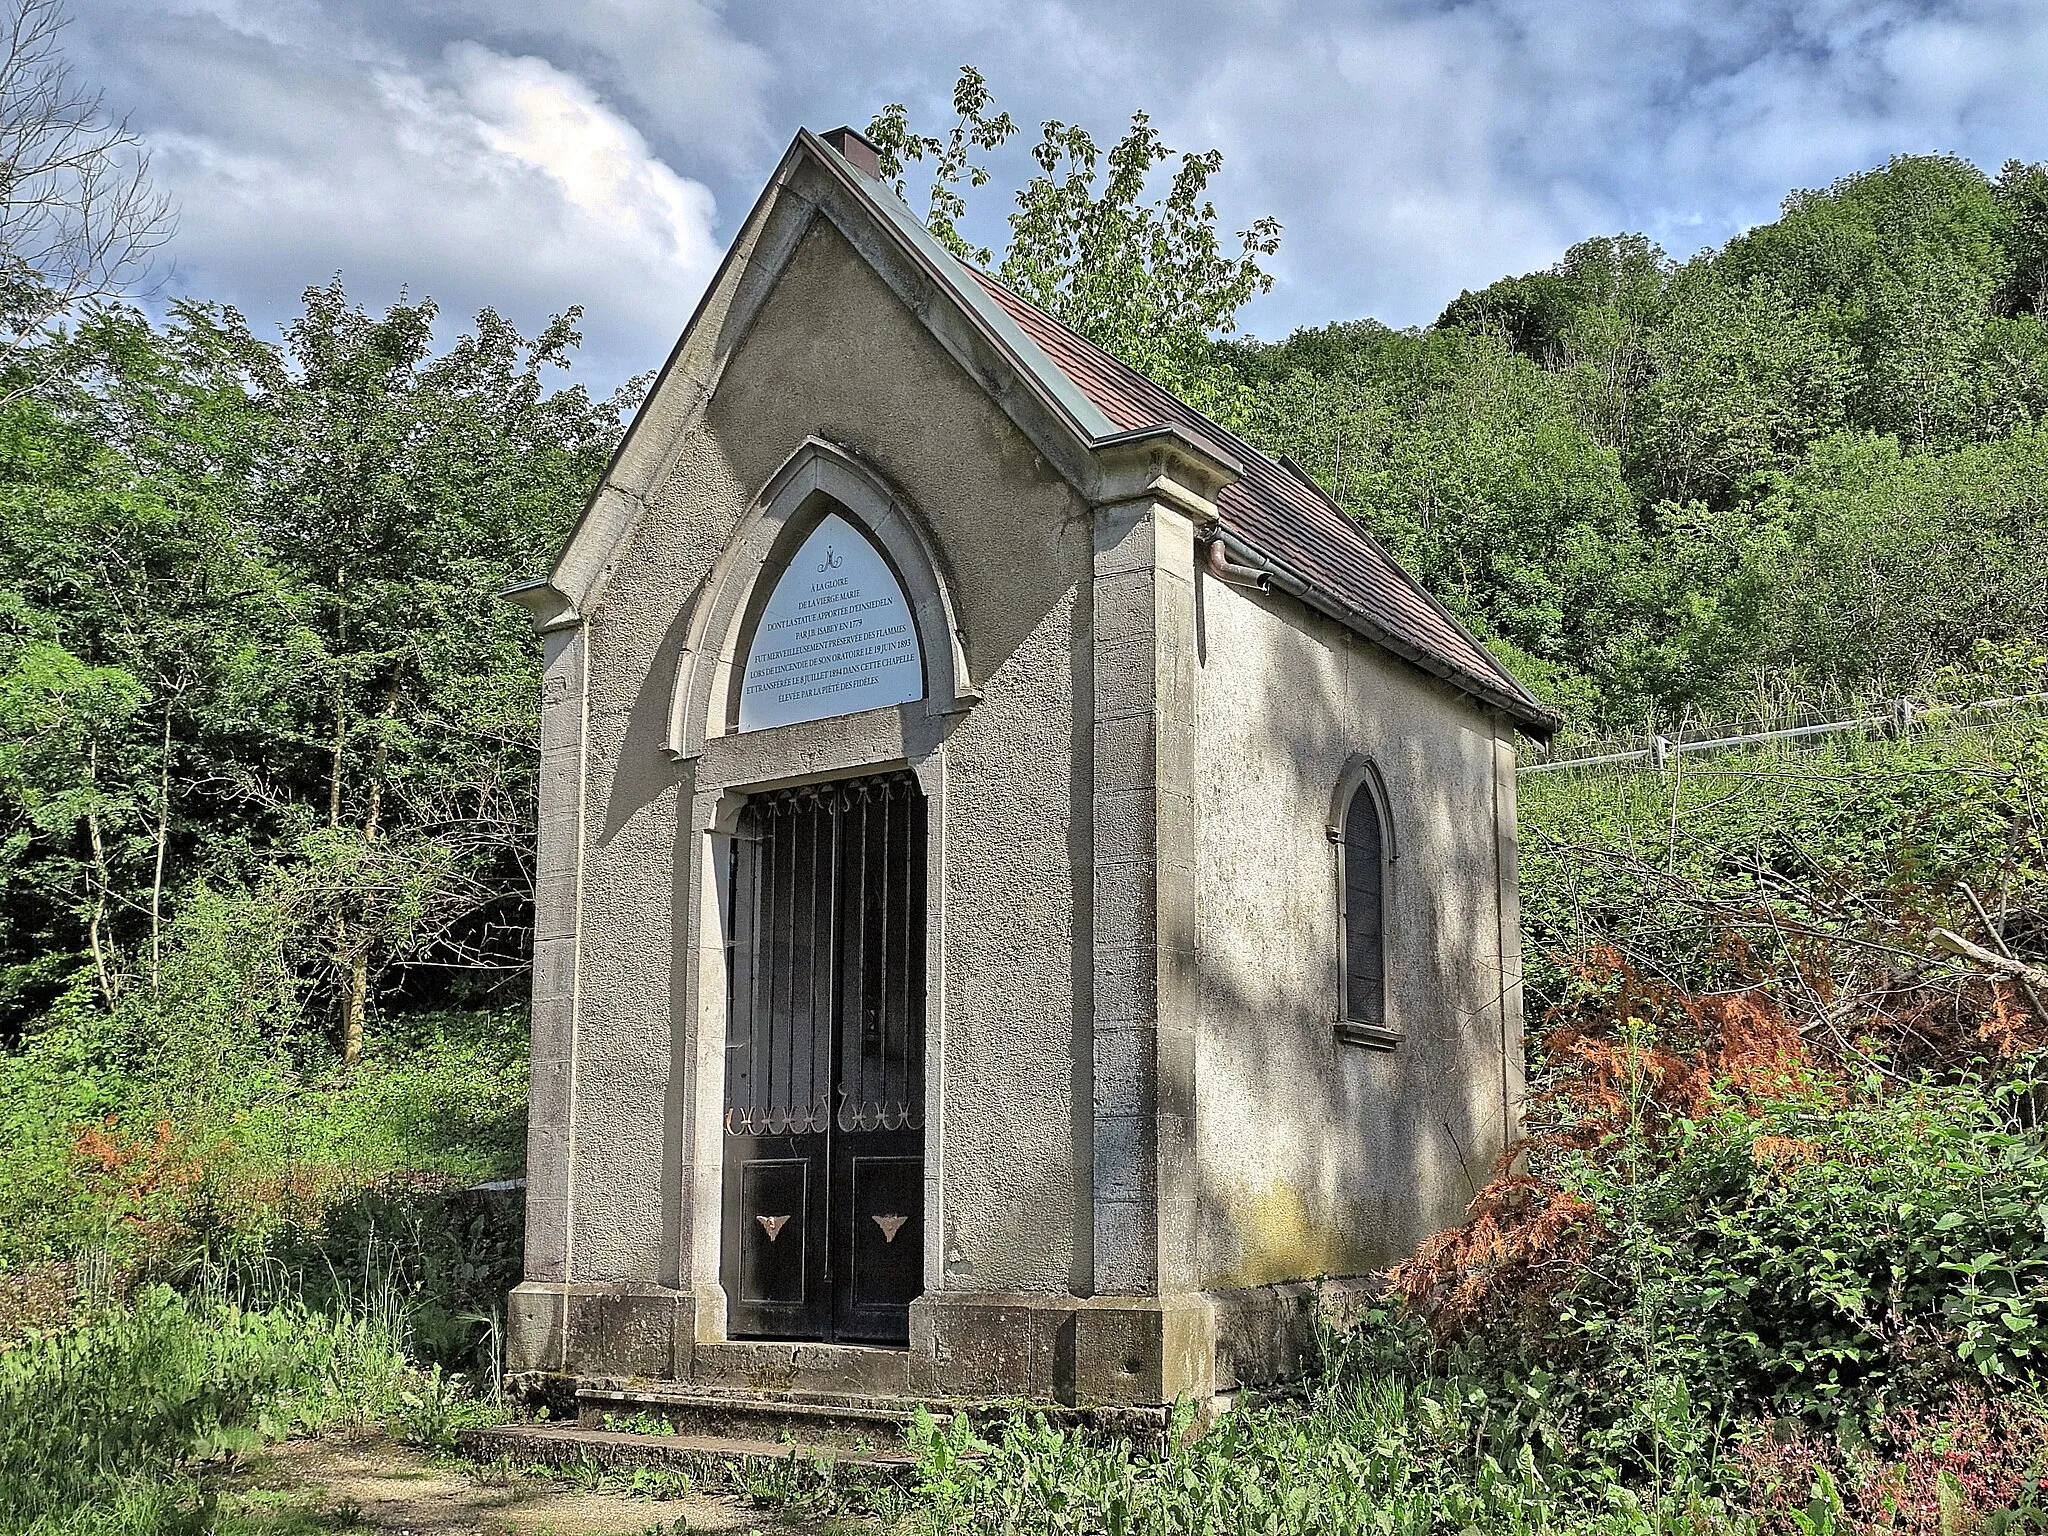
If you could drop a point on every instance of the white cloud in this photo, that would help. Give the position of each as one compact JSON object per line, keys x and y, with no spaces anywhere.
{"x":676,"y":61}
{"x":595,"y":198}
{"x":476,"y":177}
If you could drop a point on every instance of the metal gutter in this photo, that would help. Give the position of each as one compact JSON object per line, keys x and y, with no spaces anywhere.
{"x":1539,"y":722}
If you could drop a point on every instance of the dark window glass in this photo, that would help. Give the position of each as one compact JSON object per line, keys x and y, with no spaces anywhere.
{"x":1365,"y":961}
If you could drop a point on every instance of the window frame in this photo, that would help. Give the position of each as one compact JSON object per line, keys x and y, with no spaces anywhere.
{"x":1361,"y":776}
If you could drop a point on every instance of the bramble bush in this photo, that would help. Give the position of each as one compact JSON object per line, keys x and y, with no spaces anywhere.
{"x":1784,"y":1183}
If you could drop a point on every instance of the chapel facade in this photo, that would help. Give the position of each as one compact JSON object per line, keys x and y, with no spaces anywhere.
{"x":1026,"y":888}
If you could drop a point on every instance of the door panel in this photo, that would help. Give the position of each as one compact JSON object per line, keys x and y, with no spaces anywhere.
{"x":775,"y":1196}
{"x":883,"y":1243}
{"x":825,"y":1062}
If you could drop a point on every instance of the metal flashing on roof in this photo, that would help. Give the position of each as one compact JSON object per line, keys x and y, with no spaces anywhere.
{"x":1273,"y":509}
{"x":1075,"y":401}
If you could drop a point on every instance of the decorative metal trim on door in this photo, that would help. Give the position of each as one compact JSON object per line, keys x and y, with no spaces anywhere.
{"x":825,"y":1047}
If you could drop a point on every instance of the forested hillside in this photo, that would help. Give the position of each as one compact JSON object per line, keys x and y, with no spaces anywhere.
{"x":1803,"y":467}
{"x":267,"y":760}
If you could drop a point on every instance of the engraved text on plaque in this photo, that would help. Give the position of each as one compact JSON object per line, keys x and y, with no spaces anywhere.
{"x":836,"y":636}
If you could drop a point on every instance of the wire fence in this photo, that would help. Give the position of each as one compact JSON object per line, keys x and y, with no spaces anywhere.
{"x":1899,"y":718}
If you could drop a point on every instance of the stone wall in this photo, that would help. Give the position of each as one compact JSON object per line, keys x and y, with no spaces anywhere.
{"x":1319,"y":1157}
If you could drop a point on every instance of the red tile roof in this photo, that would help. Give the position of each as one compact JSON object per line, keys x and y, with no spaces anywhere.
{"x":1280,"y":513}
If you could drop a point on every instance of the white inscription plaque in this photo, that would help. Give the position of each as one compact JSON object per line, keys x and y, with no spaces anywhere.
{"x":836,"y":636}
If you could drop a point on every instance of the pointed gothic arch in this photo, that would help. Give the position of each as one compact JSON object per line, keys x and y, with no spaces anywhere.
{"x":1361,"y":828}
{"x":819,"y":480}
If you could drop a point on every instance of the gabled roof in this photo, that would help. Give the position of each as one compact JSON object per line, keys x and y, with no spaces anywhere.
{"x":1280,"y":513}
{"x":1081,"y":406}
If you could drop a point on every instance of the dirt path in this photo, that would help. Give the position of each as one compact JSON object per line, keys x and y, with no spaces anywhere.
{"x":377,"y":1485}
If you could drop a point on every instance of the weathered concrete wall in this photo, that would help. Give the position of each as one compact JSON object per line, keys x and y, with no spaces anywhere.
{"x":834,"y":354}
{"x":1319,"y":1157}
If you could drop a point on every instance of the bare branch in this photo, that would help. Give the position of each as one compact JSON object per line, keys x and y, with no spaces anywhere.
{"x":80,"y":219}
{"x":1955,"y":944}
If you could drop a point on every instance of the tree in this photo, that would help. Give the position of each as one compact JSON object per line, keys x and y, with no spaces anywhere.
{"x":401,"y":492}
{"x":130,"y":612}
{"x":1744,"y":378}
{"x":79,"y":217}
{"x":250,"y":644}
{"x":1895,"y":565}
{"x":1148,"y":280}
{"x":2022,"y":198}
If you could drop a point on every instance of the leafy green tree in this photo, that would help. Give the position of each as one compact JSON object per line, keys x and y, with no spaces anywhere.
{"x":252,"y":638}
{"x":2022,"y":198}
{"x":401,"y":490}
{"x":1743,"y":379}
{"x":1149,"y":280}
{"x":1896,"y":564}
{"x":1830,"y":244}
{"x":975,"y":128}
{"x":1465,"y":459}
{"x":131,"y":612}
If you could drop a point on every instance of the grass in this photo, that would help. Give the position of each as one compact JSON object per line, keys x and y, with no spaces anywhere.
{"x":295,"y":1256}
{"x":1376,"y":1446}
{"x":107,"y":1422}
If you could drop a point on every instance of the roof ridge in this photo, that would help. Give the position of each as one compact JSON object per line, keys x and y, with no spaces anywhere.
{"x":1477,"y":662}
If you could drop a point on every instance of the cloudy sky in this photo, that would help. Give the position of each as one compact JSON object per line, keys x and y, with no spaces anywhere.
{"x":532,"y":154}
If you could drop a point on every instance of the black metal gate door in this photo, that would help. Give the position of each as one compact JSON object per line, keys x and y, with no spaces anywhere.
{"x":824,"y":1088}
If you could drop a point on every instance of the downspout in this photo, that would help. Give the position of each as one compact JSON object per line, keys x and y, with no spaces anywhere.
{"x":1228,"y":571}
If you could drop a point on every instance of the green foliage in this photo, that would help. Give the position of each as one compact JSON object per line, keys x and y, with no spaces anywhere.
{"x":1745,"y":380}
{"x":975,"y":129}
{"x":1886,"y":561}
{"x":1777,"y":844}
{"x":97,"y":1424}
{"x":1657,"y":517}
{"x":1150,"y":281}
{"x":155,"y":1162}
{"x":1808,"y":1260}
{"x":1369,"y":1448}
{"x":250,"y":647}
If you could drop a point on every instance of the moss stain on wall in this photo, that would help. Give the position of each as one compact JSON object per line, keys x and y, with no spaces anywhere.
{"x":1280,"y":1239}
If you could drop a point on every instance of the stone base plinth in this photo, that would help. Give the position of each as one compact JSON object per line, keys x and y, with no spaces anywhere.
{"x":1103,"y":1352}
{"x":644,"y":1331}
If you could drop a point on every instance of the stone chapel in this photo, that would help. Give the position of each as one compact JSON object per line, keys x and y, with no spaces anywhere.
{"x":1025,"y":885}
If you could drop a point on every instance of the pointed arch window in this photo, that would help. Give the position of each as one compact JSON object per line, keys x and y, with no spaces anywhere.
{"x":1361,"y":926}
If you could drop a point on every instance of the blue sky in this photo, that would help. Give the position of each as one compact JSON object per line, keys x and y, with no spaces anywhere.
{"x":537,"y":153}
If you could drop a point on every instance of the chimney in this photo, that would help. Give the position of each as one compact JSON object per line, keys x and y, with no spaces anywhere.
{"x":855,"y":149}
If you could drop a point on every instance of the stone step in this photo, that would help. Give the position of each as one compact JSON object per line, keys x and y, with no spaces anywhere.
{"x":557,"y":1445}
{"x":759,"y":1365}
{"x":809,"y":1418}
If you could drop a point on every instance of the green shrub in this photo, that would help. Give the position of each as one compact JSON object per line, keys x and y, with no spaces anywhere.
{"x":95,"y":1155}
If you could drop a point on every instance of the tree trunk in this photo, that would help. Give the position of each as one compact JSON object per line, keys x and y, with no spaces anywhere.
{"x":336,"y":754}
{"x":95,"y":928}
{"x":357,"y":1003}
{"x":163,"y":837}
